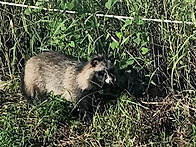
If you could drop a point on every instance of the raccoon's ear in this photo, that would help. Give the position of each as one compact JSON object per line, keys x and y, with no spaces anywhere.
{"x":96,"y":60}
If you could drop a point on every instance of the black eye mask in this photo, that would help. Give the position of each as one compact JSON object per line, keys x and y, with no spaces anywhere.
{"x":101,"y":73}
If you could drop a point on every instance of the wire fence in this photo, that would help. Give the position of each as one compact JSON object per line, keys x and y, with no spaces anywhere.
{"x":100,"y":15}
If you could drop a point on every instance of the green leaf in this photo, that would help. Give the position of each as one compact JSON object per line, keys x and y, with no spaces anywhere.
{"x":137,"y":40}
{"x":130,"y":62}
{"x":63,"y":5}
{"x":123,"y":55}
{"x":27,"y":11}
{"x":72,"y":44}
{"x":143,"y":43}
{"x":124,"y":63}
{"x":38,"y":3}
{"x":63,"y":27}
{"x":140,"y":22}
{"x":123,"y":66}
{"x":144,"y":50}
{"x":119,"y":34}
{"x":181,"y":62}
{"x":70,"y":6}
{"x":108,"y":4}
{"x":55,"y":41}
{"x":127,"y":22}
{"x":114,"y":44}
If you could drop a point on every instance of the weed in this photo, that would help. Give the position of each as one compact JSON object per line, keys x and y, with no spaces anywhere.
{"x":156,"y":60}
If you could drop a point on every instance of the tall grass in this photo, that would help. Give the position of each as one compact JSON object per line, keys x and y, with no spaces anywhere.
{"x":156,"y":60}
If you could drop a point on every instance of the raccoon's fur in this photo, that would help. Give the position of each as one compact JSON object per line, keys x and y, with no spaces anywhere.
{"x":52,"y":71}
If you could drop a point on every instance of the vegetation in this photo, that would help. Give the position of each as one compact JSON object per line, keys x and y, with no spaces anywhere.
{"x":155,"y":69}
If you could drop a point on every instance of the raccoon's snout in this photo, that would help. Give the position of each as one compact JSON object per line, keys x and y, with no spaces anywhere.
{"x":109,"y":79}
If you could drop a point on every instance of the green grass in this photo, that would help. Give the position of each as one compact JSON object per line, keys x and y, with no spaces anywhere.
{"x":31,"y":122}
{"x":125,"y":123}
{"x":162,"y":55}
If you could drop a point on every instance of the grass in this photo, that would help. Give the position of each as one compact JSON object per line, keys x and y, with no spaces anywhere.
{"x":126,"y":122}
{"x":30,"y":123}
{"x":155,"y":73}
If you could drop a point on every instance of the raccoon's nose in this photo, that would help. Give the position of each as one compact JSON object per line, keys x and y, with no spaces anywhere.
{"x":109,"y":80}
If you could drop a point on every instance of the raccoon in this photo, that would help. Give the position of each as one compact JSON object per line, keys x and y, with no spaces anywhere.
{"x":53,"y":71}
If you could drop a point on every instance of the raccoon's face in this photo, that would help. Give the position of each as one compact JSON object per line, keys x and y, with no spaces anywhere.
{"x":101,"y":68}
